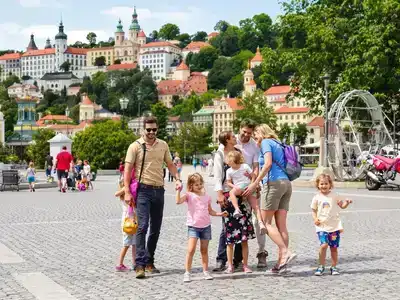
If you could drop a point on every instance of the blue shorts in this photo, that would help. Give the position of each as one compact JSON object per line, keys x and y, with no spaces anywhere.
{"x":128,"y":239}
{"x":330,"y":238}
{"x":31,"y":179}
{"x":200,"y":233}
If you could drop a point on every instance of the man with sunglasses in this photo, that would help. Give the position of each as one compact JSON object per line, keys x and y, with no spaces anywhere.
{"x":150,"y":197}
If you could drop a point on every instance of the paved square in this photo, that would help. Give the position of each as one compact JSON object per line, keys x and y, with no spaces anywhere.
{"x":65,"y":246}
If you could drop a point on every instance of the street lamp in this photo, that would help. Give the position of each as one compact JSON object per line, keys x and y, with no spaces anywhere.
{"x":139,"y":97}
{"x":395,"y":106}
{"x":326,"y":79}
{"x":123,"y":102}
{"x":67,"y":116}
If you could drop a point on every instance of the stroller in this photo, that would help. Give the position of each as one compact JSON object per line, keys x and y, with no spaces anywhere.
{"x":71,"y":181}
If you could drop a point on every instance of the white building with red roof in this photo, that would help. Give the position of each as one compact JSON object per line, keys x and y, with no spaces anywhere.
{"x":194,"y":47}
{"x":257,"y":59}
{"x":212,"y":35}
{"x":183,"y":84}
{"x":315,"y":130}
{"x":10,"y":64}
{"x":89,"y":111}
{"x":159,"y":58}
{"x":18,"y":90}
{"x":224,"y":114}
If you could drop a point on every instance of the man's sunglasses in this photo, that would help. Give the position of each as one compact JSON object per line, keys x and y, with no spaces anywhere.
{"x":151,"y":129}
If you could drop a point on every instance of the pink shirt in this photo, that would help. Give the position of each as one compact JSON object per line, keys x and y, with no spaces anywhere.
{"x":198,"y":215}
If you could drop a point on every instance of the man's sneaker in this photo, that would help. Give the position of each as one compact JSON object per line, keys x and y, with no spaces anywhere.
{"x":237,"y":214}
{"x":140,"y":273}
{"x":334,"y":271}
{"x":187,"y":277}
{"x":207,"y":275}
{"x":262,"y":259}
{"x":319,"y":271}
{"x":152,"y":269}
{"x":220,"y":267}
{"x":121,"y":268}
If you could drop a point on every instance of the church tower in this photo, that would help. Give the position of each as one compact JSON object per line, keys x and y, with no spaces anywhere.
{"x":134,"y":29}
{"x":61,"y":46}
{"x":32,"y":44}
{"x":48,"y":44}
{"x":250,"y":85}
{"x":119,"y":34}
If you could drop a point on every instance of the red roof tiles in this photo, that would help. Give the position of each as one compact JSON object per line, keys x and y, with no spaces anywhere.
{"x":159,"y":44}
{"x":10,"y":56}
{"x":86,"y":100}
{"x":233,"y":103}
{"x":141,"y":34}
{"x":289,"y":110}
{"x":196,"y":84}
{"x":76,"y":51}
{"x":258,"y":56}
{"x":117,"y":67}
{"x":196,"y":46}
{"x":317,"y":122}
{"x":182,"y":67}
{"x":43,"y":120}
{"x":39,"y":52}
{"x":278,"y":90}
{"x":213,"y":34}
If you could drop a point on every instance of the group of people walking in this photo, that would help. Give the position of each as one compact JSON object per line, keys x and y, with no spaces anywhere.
{"x":253,"y":190}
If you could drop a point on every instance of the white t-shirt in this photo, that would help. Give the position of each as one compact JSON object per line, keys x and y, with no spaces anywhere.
{"x":250,"y":151}
{"x":328,"y":211}
{"x":238,"y":176}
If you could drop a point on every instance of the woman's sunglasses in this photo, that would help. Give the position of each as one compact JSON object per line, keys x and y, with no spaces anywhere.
{"x":151,"y":129}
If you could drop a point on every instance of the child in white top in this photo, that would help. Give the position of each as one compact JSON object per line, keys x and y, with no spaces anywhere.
{"x":30,"y":176}
{"x":238,"y":177}
{"x":86,"y":173}
{"x":128,"y":240}
{"x":198,"y":221}
{"x":326,"y":207}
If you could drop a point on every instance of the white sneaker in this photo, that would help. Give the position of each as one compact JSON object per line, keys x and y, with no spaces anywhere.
{"x":207,"y":275}
{"x":187,"y":277}
{"x":237,"y":214}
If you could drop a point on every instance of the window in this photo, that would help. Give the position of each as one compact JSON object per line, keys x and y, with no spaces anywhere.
{"x":292,"y":117}
{"x":311,"y":141}
{"x":286,"y":117}
{"x":312,"y":130}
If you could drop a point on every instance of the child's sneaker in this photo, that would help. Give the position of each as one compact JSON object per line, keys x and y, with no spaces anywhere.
{"x":334,"y":271}
{"x":246,"y":269}
{"x":319,"y":271}
{"x":207,"y":275}
{"x":237,"y":214}
{"x":121,"y":268}
{"x":133,"y":268}
{"x":187,"y":277}
{"x":229,"y":270}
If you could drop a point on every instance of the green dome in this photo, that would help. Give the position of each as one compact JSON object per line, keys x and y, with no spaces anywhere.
{"x":134,"y":26}
{"x":61,"y":35}
{"x":119,"y":26}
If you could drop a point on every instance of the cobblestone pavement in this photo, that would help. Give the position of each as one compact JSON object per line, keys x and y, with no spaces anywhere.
{"x":65,"y":246}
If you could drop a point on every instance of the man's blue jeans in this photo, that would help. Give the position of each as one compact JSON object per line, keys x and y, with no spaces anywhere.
{"x":149,"y":209}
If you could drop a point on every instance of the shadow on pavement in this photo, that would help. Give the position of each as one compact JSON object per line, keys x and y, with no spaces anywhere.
{"x":347,"y":272}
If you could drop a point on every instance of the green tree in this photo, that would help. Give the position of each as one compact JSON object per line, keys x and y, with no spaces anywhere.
{"x":91,"y":37}
{"x":284,"y":132}
{"x":255,"y":108}
{"x":39,"y":148}
{"x":199,"y":36}
{"x":235,"y":86}
{"x":103,"y":144}
{"x":154,"y":35}
{"x":204,"y":60}
{"x":10,"y":81}
{"x":100,"y":61}
{"x":221,"y":26}
{"x":191,"y":140}
{"x":227,"y":42}
{"x":300,"y":133}
{"x":10,"y":110}
{"x":117,"y":62}
{"x":184,"y":39}
{"x":169,"y":31}
{"x":65,"y":66}
{"x":160,"y":111}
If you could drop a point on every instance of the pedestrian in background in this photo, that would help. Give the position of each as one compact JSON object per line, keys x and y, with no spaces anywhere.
{"x":30,"y":176}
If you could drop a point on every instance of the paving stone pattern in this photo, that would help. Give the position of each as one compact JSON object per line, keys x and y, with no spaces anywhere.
{"x":75,"y":239}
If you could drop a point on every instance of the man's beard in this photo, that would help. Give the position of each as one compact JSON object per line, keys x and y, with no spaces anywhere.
{"x":244,"y":138}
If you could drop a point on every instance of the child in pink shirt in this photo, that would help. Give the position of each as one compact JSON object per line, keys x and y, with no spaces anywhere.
{"x":198,"y":221}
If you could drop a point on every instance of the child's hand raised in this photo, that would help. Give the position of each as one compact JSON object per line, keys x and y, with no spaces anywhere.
{"x":224,"y":214}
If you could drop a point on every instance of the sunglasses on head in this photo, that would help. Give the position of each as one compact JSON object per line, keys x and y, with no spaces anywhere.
{"x":151,"y":129}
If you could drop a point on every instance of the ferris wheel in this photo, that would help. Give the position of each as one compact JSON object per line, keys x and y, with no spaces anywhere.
{"x":356,"y":128}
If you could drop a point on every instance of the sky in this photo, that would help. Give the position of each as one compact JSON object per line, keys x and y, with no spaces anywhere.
{"x":21,"y":18}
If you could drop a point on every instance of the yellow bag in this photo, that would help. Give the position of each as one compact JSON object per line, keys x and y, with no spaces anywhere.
{"x":130,"y":223}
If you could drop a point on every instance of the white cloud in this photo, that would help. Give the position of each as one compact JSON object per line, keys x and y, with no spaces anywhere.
{"x":188,"y":20}
{"x":40,"y":3}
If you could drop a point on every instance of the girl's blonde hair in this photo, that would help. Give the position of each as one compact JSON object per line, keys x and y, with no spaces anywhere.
{"x":322,"y":177}
{"x":31,"y":164}
{"x":235,"y":157}
{"x":266,"y":132}
{"x":192,"y":179}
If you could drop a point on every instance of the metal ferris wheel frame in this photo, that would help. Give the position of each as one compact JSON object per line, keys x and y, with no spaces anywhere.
{"x":347,"y":145}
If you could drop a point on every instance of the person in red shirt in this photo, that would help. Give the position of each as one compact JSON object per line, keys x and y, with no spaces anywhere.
{"x":64,"y":162}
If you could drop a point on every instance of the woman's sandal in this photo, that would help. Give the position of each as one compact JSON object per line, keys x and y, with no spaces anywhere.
{"x":263,"y":229}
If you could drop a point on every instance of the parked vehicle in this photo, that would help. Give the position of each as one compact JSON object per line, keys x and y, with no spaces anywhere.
{"x":381,"y":170}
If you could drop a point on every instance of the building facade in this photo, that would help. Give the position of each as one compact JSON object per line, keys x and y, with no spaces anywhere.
{"x":2,"y":129}
{"x":10,"y":64}
{"x":57,"y":81}
{"x":315,"y":130}
{"x":224,"y":115}
{"x":18,"y":90}
{"x":250,"y":85}
{"x":204,"y":116}
{"x":257,"y":59}
{"x":127,"y":48}
{"x":194,"y":47}
{"x":26,"y":123}
{"x":92,"y":54}
{"x":159,"y":57}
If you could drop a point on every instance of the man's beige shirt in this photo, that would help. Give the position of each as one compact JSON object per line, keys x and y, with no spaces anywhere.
{"x":156,"y":155}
